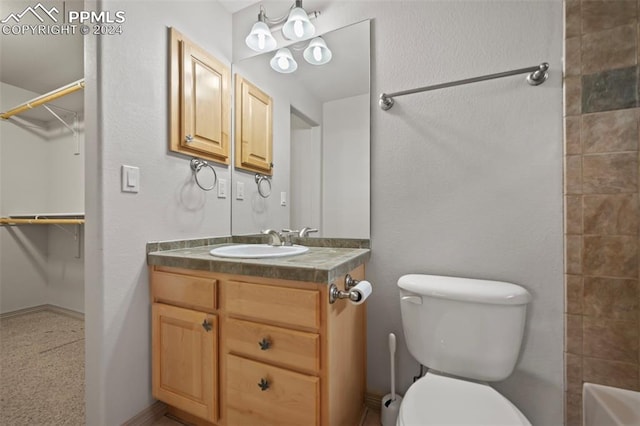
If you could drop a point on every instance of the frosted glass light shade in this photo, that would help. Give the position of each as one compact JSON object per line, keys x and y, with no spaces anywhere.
{"x":260,"y":38}
{"x":317,"y":53}
{"x":298,"y":26}
{"x":283,"y":61}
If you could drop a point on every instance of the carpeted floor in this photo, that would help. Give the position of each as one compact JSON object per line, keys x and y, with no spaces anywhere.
{"x":41,"y":370}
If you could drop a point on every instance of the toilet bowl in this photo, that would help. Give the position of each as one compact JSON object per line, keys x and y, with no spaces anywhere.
{"x":467,"y":332}
{"x":439,"y":400}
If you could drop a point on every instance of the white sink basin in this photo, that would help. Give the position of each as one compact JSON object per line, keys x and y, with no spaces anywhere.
{"x":257,"y":251}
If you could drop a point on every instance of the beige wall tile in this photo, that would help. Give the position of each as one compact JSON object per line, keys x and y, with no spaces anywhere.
{"x":573,"y":373}
{"x":573,"y":334}
{"x":573,"y":174}
{"x":610,"y":373}
{"x":573,"y":143}
{"x":601,"y":15}
{"x":573,"y":21}
{"x":573,"y":214}
{"x":611,"y":131}
{"x":610,"y":173}
{"x":611,"y":214}
{"x":572,"y":95}
{"x":573,"y":55}
{"x":615,"y":256}
{"x":573,"y":409}
{"x":609,"y":49}
{"x":573,"y":294}
{"x":573,"y":254}
{"x":614,"y":340}
{"x":611,"y":298}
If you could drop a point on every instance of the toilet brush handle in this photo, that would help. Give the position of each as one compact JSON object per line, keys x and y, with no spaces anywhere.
{"x":392,"y":353}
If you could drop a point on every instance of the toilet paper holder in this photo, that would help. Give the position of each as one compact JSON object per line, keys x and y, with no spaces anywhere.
{"x":335,"y":293}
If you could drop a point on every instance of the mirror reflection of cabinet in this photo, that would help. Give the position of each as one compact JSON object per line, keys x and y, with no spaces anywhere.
{"x":254,"y":140}
{"x":200,"y":102}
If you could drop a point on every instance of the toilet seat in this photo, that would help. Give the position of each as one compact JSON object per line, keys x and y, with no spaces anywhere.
{"x":441,"y":400}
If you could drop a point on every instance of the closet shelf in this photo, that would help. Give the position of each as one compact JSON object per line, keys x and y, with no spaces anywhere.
{"x":46,"y":98}
{"x":44,"y":219}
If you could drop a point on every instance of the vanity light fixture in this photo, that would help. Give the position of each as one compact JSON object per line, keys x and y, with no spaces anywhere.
{"x":283,"y":61}
{"x":260,"y":38}
{"x":297,"y":26}
{"x":317,"y":53}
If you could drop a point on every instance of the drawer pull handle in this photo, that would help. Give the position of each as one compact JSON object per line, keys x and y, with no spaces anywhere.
{"x":264,"y":384}
{"x":206,"y":325}
{"x":264,"y":344}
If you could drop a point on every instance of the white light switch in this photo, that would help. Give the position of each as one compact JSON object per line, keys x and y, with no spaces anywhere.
{"x":130,"y":179}
{"x":240,"y":191}
{"x":222,"y":188}
{"x":283,"y":198}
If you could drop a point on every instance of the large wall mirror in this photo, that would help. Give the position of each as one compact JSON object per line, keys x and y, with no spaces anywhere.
{"x":321,"y":143}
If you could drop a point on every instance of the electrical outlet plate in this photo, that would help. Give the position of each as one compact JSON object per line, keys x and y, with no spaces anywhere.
{"x":240,"y":191}
{"x":222,"y":188}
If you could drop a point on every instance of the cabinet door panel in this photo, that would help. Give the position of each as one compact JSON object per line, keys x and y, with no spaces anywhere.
{"x":200,"y":102}
{"x":185,"y":359}
{"x":284,"y":399}
{"x":254,"y":148}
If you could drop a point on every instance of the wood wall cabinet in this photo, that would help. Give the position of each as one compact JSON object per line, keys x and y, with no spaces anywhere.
{"x":282,"y":355}
{"x":200,"y":102}
{"x":254,"y":134}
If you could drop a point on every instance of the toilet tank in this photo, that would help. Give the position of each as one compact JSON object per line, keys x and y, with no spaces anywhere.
{"x":461,"y":326}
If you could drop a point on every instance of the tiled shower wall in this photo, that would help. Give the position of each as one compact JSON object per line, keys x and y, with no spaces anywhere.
{"x":602,"y":315}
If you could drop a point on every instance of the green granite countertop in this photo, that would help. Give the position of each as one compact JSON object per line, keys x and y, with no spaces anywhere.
{"x":320,"y":264}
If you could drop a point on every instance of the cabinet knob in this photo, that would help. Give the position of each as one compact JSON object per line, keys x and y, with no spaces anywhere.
{"x":264,"y":384}
{"x":264,"y":344}
{"x":206,"y":325}
{"x":188,"y":138}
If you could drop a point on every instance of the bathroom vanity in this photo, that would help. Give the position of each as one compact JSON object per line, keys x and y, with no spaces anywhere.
{"x":256,"y":341}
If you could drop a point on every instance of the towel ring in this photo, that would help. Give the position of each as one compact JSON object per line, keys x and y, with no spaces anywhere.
{"x":197,"y":165}
{"x":264,"y":193}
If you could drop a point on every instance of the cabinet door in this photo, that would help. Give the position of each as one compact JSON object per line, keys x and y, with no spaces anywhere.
{"x":184,"y":351}
{"x":254,"y":146}
{"x":200,"y":104}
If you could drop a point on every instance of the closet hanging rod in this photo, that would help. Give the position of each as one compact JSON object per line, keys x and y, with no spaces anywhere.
{"x":43,"y":99}
{"x":538,"y":75}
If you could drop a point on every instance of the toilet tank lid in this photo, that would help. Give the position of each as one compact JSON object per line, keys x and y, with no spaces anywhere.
{"x":465,"y":289}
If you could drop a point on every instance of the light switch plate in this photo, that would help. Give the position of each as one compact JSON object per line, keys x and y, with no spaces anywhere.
{"x":283,"y":198}
{"x":130,"y":179}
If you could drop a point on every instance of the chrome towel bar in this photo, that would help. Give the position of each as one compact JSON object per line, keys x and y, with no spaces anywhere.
{"x":537,"y":75}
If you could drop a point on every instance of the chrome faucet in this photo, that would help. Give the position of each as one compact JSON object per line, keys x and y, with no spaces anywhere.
{"x":276,"y":237}
{"x":304,"y":232}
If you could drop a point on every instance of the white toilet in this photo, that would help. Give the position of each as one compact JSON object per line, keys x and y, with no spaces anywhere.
{"x":467,"y":332}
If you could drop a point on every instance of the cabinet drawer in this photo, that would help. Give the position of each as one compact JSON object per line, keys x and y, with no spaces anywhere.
{"x":288,"y":398}
{"x":289,"y":306}
{"x":289,"y":348}
{"x":185,"y":290}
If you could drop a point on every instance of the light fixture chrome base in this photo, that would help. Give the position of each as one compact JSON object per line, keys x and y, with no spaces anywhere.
{"x":539,"y":76}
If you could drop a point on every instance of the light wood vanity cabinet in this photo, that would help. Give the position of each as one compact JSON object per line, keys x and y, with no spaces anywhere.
{"x":200,"y":102}
{"x":278,"y":353}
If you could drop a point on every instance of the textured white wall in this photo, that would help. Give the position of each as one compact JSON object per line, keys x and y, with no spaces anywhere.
{"x":306,"y":175}
{"x":127,"y":122}
{"x":465,"y":181}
